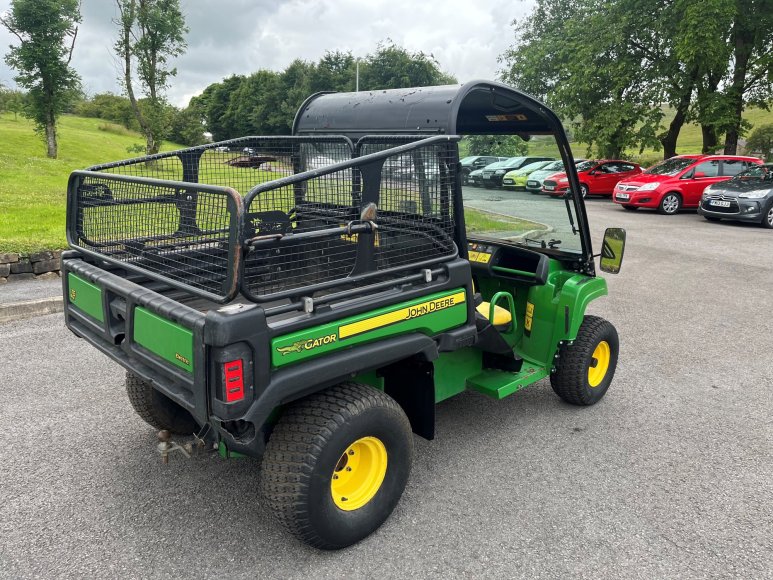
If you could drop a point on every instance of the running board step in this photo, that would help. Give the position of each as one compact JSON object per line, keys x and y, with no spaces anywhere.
{"x":499,"y":384}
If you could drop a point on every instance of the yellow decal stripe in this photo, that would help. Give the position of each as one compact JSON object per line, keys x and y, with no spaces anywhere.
{"x":400,"y":315}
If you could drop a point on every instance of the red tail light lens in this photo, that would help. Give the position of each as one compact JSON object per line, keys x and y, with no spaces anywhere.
{"x":234,"y":380}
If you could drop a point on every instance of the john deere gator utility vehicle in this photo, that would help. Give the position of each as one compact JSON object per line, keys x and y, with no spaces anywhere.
{"x":310,"y":299}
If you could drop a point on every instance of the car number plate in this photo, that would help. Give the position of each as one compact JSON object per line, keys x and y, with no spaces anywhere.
{"x":719,"y":203}
{"x":532,"y":183}
{"x":623,"y":196}
{"x":550,"y":187}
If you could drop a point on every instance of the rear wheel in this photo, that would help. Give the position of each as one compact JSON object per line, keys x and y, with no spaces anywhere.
{"x":586,"y":367}
{"x":767,"y":219}
{"x":336,"y":465}
{"x":670,"y":204}
{"x":156,"y":409}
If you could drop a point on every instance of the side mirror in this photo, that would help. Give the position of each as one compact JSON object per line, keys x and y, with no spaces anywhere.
{"x":592,"y":172}
{"x":612,"y":249}
{"x":699,"y":174}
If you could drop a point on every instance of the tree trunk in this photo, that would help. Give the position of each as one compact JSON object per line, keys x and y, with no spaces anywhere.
{"x":675,"y":127}
{"x":710,"y":139}
{"x":744,"y":43}
{"x":51,"y":144}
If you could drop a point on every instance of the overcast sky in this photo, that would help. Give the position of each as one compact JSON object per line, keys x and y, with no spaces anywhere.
{"x":241,"y":36}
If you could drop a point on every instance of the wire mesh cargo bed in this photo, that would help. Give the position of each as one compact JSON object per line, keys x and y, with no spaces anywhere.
{"x":273,"y":218}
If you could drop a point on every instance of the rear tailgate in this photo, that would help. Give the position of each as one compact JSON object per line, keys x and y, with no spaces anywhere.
{"x":155,"y":337}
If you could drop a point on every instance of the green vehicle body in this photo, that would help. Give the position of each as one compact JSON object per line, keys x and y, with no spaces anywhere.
{"x":310,"y":299}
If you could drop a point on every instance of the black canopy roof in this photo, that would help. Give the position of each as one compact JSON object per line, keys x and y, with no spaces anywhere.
{"x":476,"y":107}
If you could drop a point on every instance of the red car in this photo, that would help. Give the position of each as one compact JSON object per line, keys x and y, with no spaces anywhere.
{"x":596,"y":177}
{"x":679,"y":182}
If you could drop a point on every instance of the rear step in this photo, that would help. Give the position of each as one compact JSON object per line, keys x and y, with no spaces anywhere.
{"x":498,"y":384}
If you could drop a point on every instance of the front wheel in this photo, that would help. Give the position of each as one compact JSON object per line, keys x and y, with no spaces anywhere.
{"x":670,"y":204}
{"x":465,"y":178}
{"x":336,"y":465}
{"x":767,"y":219}
{"x":584,"y":190}
{"x":586,"y":366}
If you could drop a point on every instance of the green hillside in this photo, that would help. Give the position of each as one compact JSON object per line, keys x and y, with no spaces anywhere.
{"x":33,"y":187}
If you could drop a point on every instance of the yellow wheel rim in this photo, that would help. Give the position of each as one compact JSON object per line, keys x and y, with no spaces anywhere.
{"x":359,"y":473}
{"x":599,"y":364}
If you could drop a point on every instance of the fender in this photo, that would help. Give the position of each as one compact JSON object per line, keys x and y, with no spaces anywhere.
{"x":576,"y":293}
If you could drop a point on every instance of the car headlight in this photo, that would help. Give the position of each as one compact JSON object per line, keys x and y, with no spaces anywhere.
{"x":649,"y":186}
{"x":563,"y":180}
{"x":755,"y":194}
{"x":500,"y":172}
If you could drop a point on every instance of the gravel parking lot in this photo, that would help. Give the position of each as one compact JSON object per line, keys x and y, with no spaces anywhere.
{"x":669,"y":476}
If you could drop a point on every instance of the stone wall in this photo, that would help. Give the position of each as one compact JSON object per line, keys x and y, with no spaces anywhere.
{"x":41,"y":265}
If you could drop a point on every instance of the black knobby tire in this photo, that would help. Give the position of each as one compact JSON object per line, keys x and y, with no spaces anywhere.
{"x":156,"y":409}
{"x":571,"y":380}
{"x":670,"y":204}
{"x":631,"y":207}
{"x":306,"y":449}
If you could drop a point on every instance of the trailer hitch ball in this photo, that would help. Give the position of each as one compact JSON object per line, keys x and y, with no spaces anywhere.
{"x":167,"y":446}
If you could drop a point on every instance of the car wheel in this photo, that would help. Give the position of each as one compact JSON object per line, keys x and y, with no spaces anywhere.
{"x":767,"y":219}
{"x":670,"y":204}
{"x":465,"y":178}
{"x":336,"y":465}
{"x":586,"y":365}
{"x":584,"y":190}
{"x":631,"y":207}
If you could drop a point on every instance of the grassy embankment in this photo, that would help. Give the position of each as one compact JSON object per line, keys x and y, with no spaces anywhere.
{"x":33,"y":188}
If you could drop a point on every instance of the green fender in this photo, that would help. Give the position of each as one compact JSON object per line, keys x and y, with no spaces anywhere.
{"x":576,"y":293}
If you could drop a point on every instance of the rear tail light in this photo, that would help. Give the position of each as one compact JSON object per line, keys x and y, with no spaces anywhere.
{"x":233,"y":372}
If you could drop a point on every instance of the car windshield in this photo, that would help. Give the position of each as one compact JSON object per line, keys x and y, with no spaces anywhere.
{"x":512,"y":162}
{"x":585,"y":165}
{"x":554,"y":166}
{"x":670,"y":166}
{"x":519,"y":217}
{"x":756,"y":173}
{"x":532,"y":166}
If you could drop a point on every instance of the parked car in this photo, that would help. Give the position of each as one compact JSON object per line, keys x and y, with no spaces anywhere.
{"x":493,"y":174}
{"x":747,"y":197}
{"x":679,"y":182}
{"x":534,"y":182}
{"x":475,"y":178}
{"x":597,"y":177}
{"x":516,"y":179}
{"x":475,"y":162}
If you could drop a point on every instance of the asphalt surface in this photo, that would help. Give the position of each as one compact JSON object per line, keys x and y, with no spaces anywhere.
{"x":669,"y":476}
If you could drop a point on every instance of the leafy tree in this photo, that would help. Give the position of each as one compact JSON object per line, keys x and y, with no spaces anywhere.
{"x":11,"y":101}
{"x":46,"y":30}
{"x":151,"y":33}
{"x":575,"y":55}
{"x":761,"y":141}
{"x":499,"y":145}
{"x":393,"y":67}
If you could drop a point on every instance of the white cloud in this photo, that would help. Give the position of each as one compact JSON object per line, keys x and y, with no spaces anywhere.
{"x":241,"y":36}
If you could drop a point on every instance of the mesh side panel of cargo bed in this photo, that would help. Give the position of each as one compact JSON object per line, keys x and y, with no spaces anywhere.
{"x":240,"y":164}
{"x":413,"y":194}
{"x":179,"y":233}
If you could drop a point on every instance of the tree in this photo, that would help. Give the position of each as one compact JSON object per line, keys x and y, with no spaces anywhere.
{"x":761,"y":141}
{"x":575,"y":55}
{"x":151,"y":33}
{"x":46,"y":30}
{"x":393,"y":67}
{"x":499,"y":145}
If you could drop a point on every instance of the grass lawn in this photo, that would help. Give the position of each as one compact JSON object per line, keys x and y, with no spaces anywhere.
{"x":33,"y":188}
{"x":478,"y":221}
